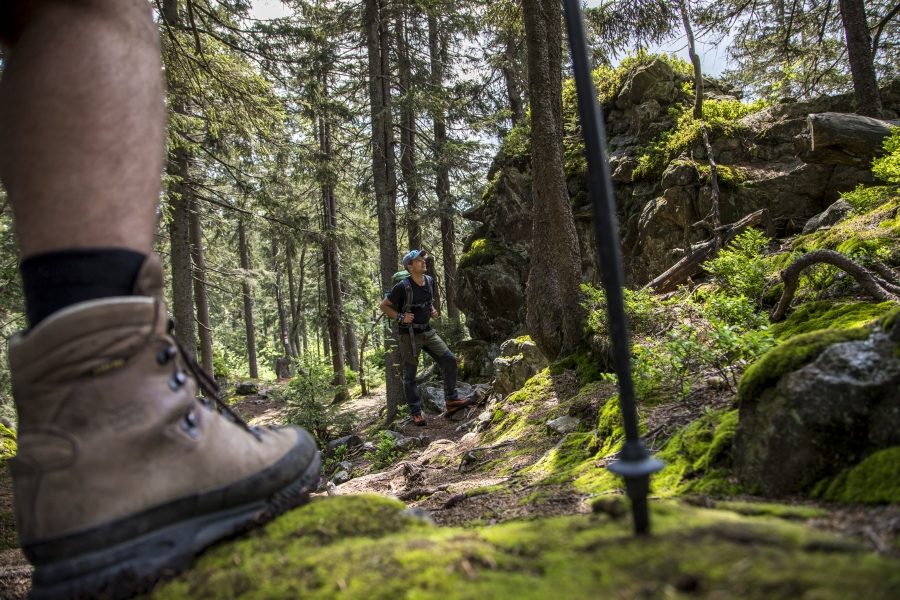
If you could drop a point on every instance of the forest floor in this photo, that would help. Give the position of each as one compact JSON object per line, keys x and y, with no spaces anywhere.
{"x":448,"y":474}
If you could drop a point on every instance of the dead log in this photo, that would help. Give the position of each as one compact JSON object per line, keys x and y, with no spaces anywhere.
{"x":690,"y":264}
{"x":845,"y":138}
{"x":863,"y":276}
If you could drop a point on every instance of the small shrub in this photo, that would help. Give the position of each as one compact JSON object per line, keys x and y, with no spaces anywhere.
{"x":308,"y":397}
{"x":887,"y":168}
{"x":386,"y":451}
{"x":741,"y":268}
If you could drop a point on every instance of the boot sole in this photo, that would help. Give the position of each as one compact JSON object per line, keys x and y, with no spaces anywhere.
{"x":134,"y":566}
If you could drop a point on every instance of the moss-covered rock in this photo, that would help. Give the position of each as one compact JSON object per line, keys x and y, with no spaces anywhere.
{"x":876,"y":480}
{"x":364,"y":547}
{"x":819,"y":403}
{"x":826,"y":314}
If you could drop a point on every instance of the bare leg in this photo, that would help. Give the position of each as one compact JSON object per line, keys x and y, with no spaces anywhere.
{"x":82,"y":124}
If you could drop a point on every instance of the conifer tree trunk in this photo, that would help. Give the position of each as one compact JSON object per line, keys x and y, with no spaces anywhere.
{"x":408,"y":136}
{"x":862,"y":62}
{"x":511,"y":79}
{"x":695,"y":59}
{"x":292,"y":321}
{"x":554,"y":313}
{"x":200,"y":295}
{"x":180,"y":248}
{"x":384,"y":178}
{"x":248,"y":301}
{"x":437,"y":46}
{"x":350,"y":343}
{"x":299,"y":321}
{"x":284,"y":338}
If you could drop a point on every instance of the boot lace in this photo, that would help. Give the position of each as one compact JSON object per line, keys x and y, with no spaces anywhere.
{"x":211,"y":389}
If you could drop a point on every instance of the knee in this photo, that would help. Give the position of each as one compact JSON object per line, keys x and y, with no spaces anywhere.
{"x":447,"y":361}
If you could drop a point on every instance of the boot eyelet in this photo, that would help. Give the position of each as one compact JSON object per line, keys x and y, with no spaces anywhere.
{"x":164,"y":356}
{"x":177,"y":380}
{"x":190,"y":423}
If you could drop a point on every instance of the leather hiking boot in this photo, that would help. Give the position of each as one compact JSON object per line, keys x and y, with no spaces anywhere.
{"x":122,"y":473}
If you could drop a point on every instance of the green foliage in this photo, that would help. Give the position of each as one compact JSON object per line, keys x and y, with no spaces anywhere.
{"x":741,"y":267}
{"x":864,"y":199}
{"x":338,"y":455}
{"x":7,"y":444}
{"x":721,"y":118}
{"x":887,"y":168}
{"x":386,"y":451}
{"x":308,"y":397}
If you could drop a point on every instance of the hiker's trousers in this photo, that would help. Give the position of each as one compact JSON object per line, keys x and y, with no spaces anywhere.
{"x":434,"y":346}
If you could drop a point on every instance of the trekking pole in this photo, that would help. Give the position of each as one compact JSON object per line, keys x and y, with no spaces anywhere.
{"x":635,"y":463}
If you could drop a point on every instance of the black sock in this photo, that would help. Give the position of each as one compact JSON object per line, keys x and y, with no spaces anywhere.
{"x":59,"y":279}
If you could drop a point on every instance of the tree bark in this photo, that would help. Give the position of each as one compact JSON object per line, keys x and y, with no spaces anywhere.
{"x":695,"y":59}
{"x":437,"y":46}
{"x":384,"y":178}
{"x":292,"y":296}
{"x":862,"y":62}
{"x":408,"y":136}
{"x":180,"y":249}
{"x":200,"y":294}
{"x":555,"y":316}
{"x":284,"y":338}
{"x":511,"y":79}
{"x":248,"y":301}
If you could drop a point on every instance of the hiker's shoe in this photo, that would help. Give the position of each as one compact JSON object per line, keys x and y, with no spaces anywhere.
{"x":419,"y":420}
{"x":459,"y":404}
{"x":122,"y":474}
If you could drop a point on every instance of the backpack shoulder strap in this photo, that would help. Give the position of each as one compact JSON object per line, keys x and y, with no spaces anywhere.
{"x":407,"y":292}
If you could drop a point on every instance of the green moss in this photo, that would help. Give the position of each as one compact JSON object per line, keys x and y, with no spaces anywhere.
{"x":697,"y":457}
{"x":790,"y":356}
{"x":7,"y":444}
{"x":876,"y":480}
{"x":782,"y":511}
{"x":482,"y":251}
{"x":584,"y":361}
{"x":824,"y":314}
{"x":524,"y":339}
{"x":693,"y":551}
{"x":729,"y":177}
{"x":874,"y":233}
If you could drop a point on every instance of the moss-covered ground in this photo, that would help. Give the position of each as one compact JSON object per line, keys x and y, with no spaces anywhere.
{"x":366,"y":547}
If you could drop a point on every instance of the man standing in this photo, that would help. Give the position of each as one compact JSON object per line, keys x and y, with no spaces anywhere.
{"x":411,"y":304}
{"x":122,"y":473}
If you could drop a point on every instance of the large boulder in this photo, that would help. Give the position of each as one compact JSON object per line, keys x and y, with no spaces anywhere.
{"x":519,"y":360}
{"x":814,"y":421}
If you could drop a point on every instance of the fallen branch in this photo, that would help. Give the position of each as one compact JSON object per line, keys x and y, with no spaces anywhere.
{"x":863,"y":276}
{"x":691,"y":263}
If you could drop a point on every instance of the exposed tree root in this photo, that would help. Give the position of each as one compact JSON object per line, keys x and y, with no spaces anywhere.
{"x":880,"y":288}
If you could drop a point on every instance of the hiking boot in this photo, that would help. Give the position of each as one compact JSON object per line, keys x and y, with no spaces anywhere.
{"x":419,"y":420}
{"x":122,"y":474}
{"x":458,"y":404}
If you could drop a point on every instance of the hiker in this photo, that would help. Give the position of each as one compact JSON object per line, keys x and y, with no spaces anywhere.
{"x":122,"y":473}
{"x":411,"y":304}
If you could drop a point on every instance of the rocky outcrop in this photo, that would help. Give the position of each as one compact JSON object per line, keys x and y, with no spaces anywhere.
{"x":519,"y":360}
{"x":822,"y":418}
{"x":766,"y":162}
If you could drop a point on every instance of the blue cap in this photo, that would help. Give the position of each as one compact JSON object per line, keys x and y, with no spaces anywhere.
{"x":411,"y":256}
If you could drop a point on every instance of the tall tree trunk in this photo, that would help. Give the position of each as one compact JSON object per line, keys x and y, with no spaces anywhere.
{"x":862,"y":62}
{"x":180,"y":248}
{"x":511,"y":78}
{"x":200,"y":294}
{"x":299,"y":321}
{"x":695,"y":59}
{"x":554,"y":313}
{"x":350,"y":344}
{"x":284,"y":340}
{"x":248,"y":301}
{"x":322,"y":332}
{"x":408,"y":136}
{"x":437,"y":47}
{"x":332,"y":258}
{"x":292,"y":327}
{"x":383,"y":179}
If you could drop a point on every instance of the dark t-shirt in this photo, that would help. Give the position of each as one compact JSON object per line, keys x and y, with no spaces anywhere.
{"x":422,"y":295}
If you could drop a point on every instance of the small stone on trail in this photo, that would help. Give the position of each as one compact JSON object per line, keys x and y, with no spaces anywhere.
{"x":246,"y":388}
{"x":564,"y":424}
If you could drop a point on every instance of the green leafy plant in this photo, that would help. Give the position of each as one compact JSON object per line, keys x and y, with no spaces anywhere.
{"x":741,"y":268}
{"x":887,"y":168}
{"x":308,"y":396}
{"x":386,"y":451}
